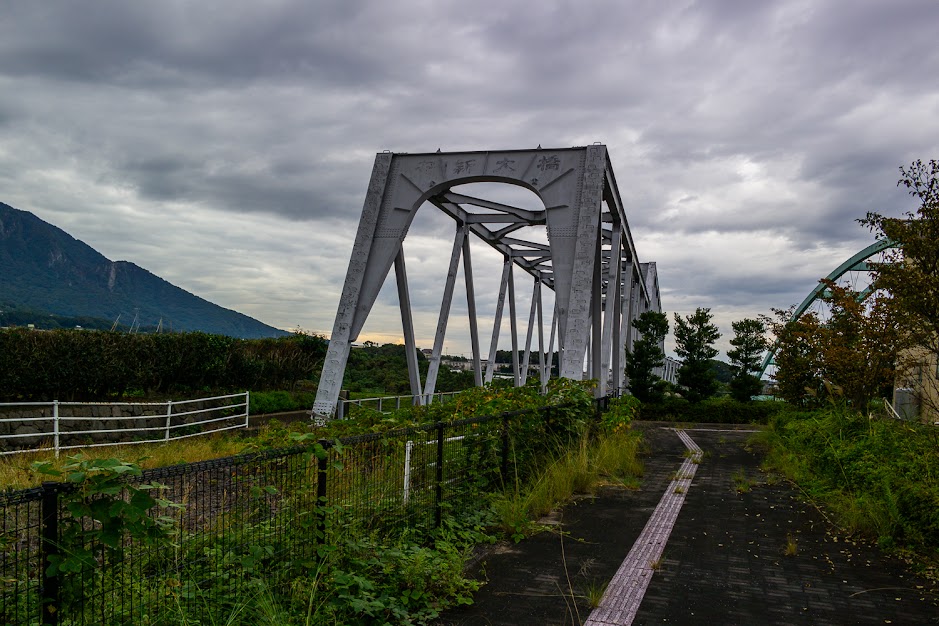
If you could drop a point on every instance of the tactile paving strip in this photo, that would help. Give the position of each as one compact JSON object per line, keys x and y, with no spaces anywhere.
{"x":624,"y":594}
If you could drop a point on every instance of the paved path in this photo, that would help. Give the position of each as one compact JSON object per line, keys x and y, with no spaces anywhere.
{"x":722,"y":560}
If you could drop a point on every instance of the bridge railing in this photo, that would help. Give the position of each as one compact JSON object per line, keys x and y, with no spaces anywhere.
{"x":387,"y":404}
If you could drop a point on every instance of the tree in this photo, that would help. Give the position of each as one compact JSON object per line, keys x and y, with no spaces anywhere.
{"x":798,"y":359}
{"x":749,"y":345}
{"x":647,"y":355}
{"x":694,"y":337}
{"x":910,"y":273}
{"x":854,"y":351}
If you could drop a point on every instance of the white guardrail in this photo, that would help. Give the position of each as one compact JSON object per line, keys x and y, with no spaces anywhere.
{"x":232,"y":412}
{"x":382,"y":404}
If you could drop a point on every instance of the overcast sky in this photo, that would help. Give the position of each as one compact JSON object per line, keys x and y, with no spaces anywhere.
{"x":226,"y":146}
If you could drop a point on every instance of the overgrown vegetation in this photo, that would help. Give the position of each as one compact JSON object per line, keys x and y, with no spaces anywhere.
{"x":713,"y":410}
{"x":604,"y":453}
{"x":363,"y":573}
{"x":878,"y":478}
{"x":383,"y":369}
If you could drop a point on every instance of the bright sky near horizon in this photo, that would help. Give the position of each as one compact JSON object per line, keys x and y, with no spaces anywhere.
{"x":226,"y":146}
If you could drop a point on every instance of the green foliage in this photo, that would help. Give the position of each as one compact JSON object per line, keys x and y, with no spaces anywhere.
{"x":855,"y":350}
{"x":910,"y":273}
{"x":118,"y":509}
{"x":744,"y":386}
{"x":364,"y":571}
{"x":280,"y":401}
{"x":880,"y":477}
{"x":647,"y":355}
{"x":723,"y":372}
{"x":576,"y":467}
{"x":371,"y":582}
{"x":749,"y":345}
{"x":694,"y":337}
{"x":620,"y":412}
{"x":383,"y":369}
{"x":713,"y":410}
{"x":93,"y":365}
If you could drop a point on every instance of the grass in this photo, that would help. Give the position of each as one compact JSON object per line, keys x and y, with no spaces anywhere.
{"x":792,"y":546}
{"x":876,"y":478}
{"x":15,"y":472}
{"x":742,"y":484}
{"x":593,"y":593}
{"x":610,"y":459}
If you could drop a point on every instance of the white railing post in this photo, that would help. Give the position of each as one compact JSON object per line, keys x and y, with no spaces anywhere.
{"x":247,"y":407}
{"x":55,"y":426}
{"x":169,"y":417}
{"x":407,"y":470}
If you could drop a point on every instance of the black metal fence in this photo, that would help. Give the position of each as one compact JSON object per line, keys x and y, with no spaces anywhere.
{"x":265,"y":515}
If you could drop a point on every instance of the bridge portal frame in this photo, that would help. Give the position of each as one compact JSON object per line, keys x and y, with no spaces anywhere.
{"x":590,"y":260}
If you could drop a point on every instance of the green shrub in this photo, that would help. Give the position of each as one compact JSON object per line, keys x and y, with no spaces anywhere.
{"x":98,"y":365}
{"x":880,"y":477}
{"x":279,"y":401}
{"x":712,"y":410}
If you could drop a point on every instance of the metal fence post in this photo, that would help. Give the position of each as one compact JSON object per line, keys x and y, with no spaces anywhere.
{"x":322,"y":466}
{"x":55,"y":427}
{"x":438,"y":513}
{"x":247,"y":408}
{"x":169,"y":418}
{"x":504,"y":467}
{"x":49,"y":546}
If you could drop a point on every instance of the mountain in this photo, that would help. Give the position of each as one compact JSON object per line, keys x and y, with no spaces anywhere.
{"x":43,"y":268}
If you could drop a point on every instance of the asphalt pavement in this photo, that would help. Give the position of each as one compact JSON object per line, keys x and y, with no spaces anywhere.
{"x":719,"y":542}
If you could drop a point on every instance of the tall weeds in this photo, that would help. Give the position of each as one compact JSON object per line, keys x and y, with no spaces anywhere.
{"x":577,"y":468}
{"x":878,"y":477}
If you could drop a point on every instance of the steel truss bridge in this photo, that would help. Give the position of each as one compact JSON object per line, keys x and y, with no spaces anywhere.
{"x":588,"y":260}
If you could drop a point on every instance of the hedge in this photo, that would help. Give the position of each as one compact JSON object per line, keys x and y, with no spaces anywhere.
{"x":78,"y":365}
{"x":712,"y":410}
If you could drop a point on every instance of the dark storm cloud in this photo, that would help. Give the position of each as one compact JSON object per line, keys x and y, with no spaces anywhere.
{"x":195,"y":45}
{"x":747,"y":136}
